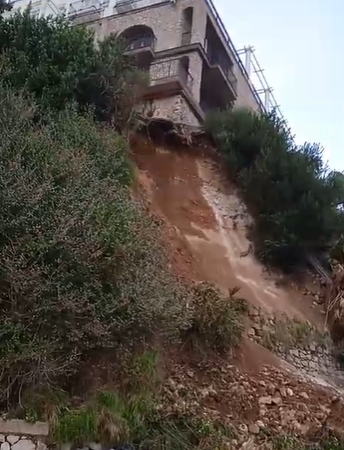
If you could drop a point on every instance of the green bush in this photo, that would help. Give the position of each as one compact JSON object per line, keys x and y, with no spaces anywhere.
{"x":4,"y":6}
{"x":217,"y":320}
{"x":291,"y":192}
{"x":58,"y":63}
{"x":81,"y":263}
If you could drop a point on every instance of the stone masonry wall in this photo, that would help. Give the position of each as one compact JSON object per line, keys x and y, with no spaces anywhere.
{"x":165,"y":20}
{"x":313,"y":354}
{"x":175,"y":109}
{"x":21,"y":435}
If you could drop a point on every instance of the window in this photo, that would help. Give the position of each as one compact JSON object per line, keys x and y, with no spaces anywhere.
{"x":187,"y":20}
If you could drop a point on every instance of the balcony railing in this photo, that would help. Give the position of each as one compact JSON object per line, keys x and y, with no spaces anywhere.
{"x":140,"y":42}
{"x":172,"y":68}
{"x":123,"y":6}
{"x":85,"y":6}
{"x":218,"y":59}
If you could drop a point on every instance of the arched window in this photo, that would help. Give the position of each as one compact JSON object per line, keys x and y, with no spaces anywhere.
{"x":138,"y":36}
{"x":187,"y":19}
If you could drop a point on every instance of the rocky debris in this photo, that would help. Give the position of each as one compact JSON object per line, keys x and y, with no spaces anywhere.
{"x":254,"y":428}
{"x":250,"y":402}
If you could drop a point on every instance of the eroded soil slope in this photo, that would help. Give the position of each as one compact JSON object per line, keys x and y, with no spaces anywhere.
{"x":207,"y":226}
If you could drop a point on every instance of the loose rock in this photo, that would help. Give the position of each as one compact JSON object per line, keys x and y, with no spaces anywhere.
{"x":277,"y":400}
{"x":12,"y":439}
{"x":253,"y":428}
{"x":304,"y":395}
{"x":24,"y":444}
{"x":42,"y":446}
{"x":265,"y":400}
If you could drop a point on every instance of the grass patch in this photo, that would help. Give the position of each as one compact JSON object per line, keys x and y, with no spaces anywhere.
{"x":141,"y":372}
{"x":114,"y":420}
{"x":186,"y":433}
{"x":287,"y":442}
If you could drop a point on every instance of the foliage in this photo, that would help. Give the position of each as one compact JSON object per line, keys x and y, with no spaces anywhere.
{"x":141,"y":372}
{"x":288,"y":442}
{"x":337,"y":251}
{"x":82,"y":267}
{"x":107,"y":418}
{"x":114,"y":420}
{"x":185,"y":432}
{"x":217,"y":319}
{"x":292,"y":194}
{"x":58,"y":63}
{"x":5,"y":6}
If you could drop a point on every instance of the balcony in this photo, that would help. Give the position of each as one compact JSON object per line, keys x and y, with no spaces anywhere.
{"x":125,"y":6}
{"x":83,"y":11}
{"x":172,"y":73}
{"x":218,"y":60}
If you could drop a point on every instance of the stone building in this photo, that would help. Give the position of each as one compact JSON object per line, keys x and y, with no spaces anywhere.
{"x":183,"y":44}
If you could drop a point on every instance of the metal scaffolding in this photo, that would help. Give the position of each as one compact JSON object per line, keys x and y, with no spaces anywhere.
{"x":260,"y":83}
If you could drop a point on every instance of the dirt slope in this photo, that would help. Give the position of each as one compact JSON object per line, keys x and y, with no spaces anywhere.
{"x":207,"y":226}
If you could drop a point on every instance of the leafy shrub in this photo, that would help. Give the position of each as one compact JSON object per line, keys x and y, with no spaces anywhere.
{"x":58,"y":63}
{"x":81,"y":263}
{"x":290,"y":190}
{"x":5,"y":6}
{"x":216,"y":319}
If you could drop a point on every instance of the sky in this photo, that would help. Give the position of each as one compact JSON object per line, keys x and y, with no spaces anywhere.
{"x":300,"y":46}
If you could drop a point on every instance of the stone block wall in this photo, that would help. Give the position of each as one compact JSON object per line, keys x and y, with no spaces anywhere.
{"x":165,"y":19}
{"x":174,"y":108}
{"x":314,"y":356}
{"x":21,"y":435}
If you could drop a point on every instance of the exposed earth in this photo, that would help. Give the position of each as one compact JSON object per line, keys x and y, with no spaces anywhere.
{"x":206,"y":227}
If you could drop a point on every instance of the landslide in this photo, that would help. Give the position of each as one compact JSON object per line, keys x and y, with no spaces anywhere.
{"x":207,"y":226}
{"x":206,"y":229}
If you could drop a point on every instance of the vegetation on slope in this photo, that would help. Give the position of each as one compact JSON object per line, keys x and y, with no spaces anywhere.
{"x":82,"y":265}
{"x":294,"y":196}
{"x":56,"y":64}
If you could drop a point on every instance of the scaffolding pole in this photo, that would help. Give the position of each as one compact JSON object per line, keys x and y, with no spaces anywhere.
{"x":252,"y":66}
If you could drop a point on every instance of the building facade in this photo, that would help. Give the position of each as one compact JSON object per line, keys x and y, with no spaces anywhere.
{"x":193,"y":65}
